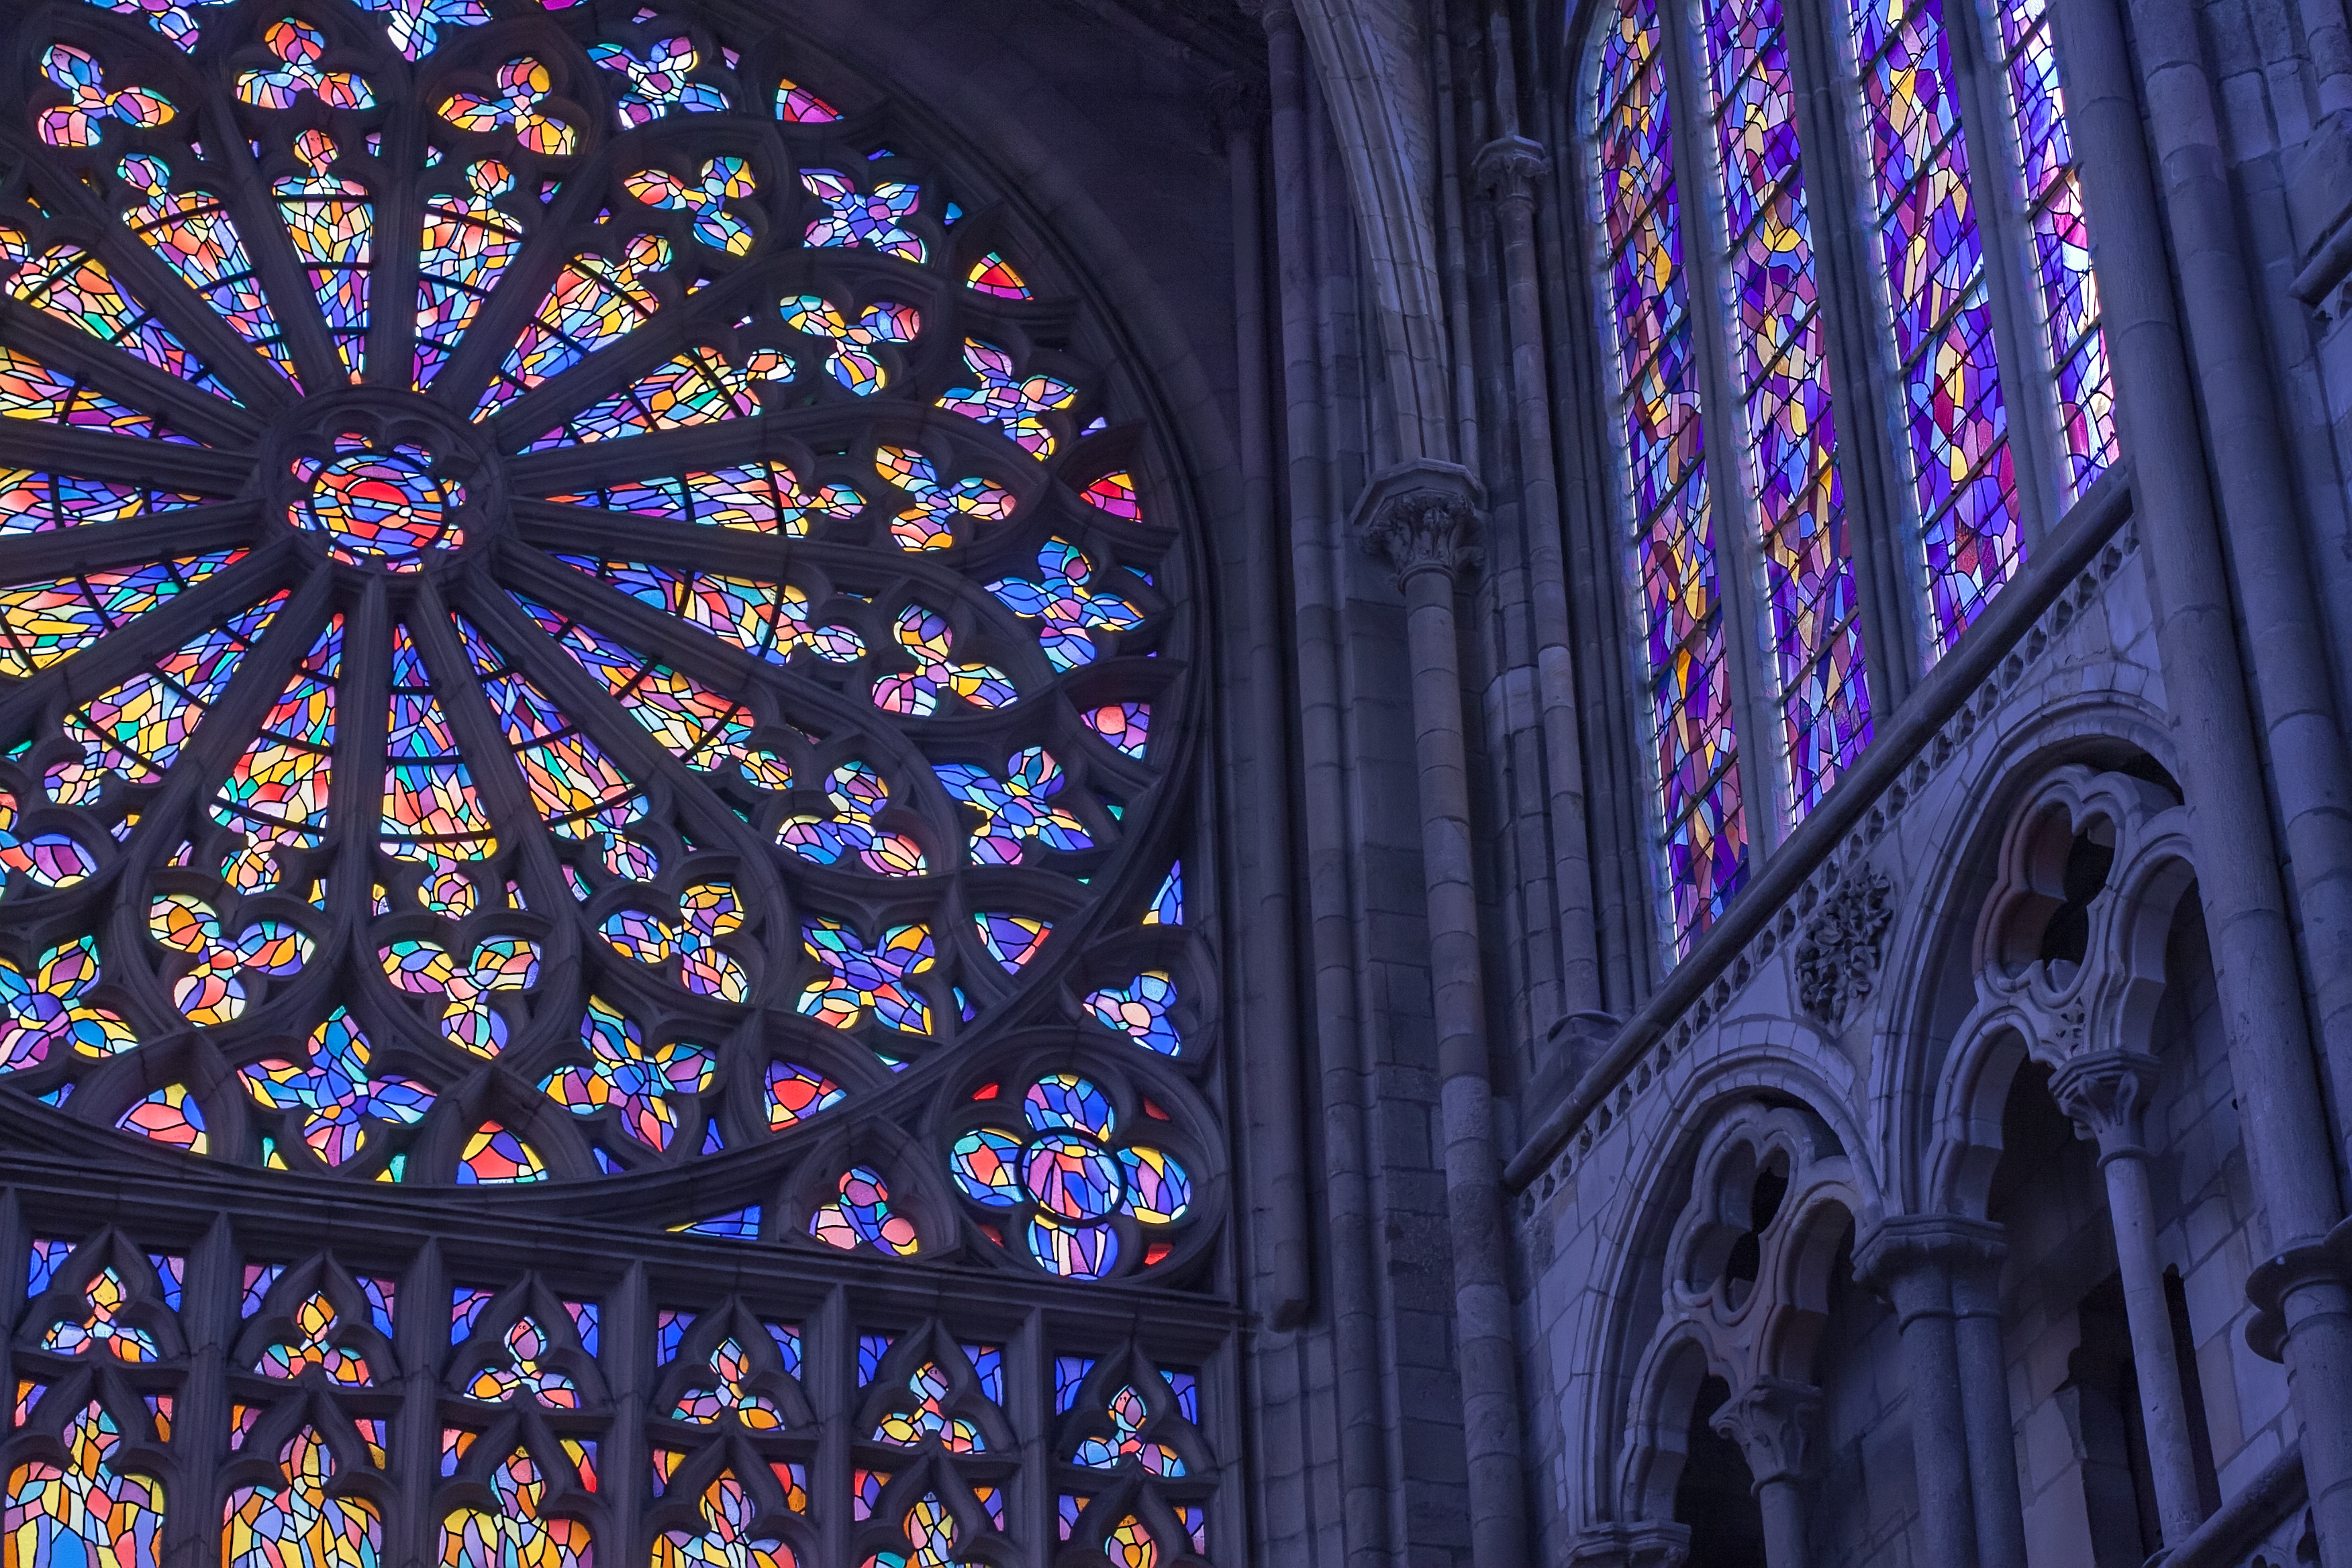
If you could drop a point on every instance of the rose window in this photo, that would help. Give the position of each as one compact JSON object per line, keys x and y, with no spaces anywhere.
{"x":568,"y":611}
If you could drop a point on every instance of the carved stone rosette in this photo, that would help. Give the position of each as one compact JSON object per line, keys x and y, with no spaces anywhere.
{"x":1838,"y":956}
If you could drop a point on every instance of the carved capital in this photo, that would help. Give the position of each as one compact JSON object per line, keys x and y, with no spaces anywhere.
{"x":1772,"y":1420}
{"x":1420,"y":516}
{"x":1837,"y":955}
{"x":2106,"y":1095}
{"x":1920,"y":1262}
{"x":1237,"y":105}
{"x":1508,"y":167}
{"x":1278,"y":15}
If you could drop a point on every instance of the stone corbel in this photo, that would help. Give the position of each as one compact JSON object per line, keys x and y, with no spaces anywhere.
{"x":1237,"y":105}
{"x":1420,"y":516}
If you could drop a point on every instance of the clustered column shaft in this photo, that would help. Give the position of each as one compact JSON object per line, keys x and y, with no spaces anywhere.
{"x":1931,"y":1266}
{"x":1418,"y":518}
{"x":1510,"y":169}
{"x":2270,"y":1057}
{"x":1351,"y":1242}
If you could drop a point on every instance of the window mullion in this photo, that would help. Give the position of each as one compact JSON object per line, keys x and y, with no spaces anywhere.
{"x":1867,"y":459}
{"x":1764,"y":768}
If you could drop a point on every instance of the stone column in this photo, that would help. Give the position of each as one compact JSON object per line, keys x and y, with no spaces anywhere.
{"x":1772,"y":1420}
{"x":1510,"y":169}
{"x":2106,"y":1094}
{"x":1978,"y":1250}
{"x":2238,"y":854}
{"x":1910,"y":1259}
{"x":1419,"y":515}
{"x":1349,"y":1219}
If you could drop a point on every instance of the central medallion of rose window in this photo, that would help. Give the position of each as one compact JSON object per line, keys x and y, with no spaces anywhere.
{"x":379,"y":508}
{"x":385,"y":480}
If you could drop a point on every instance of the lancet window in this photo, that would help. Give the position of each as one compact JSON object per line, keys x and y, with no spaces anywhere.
{"x":1746,"y":415}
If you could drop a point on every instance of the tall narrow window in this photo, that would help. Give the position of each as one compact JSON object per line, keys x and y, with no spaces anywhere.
{"x":1710,"y":92}
{"x":1931,"y":246}
{"x":1678,"y":606}
{"x":1812,"y":643}
{"x":1955,"y":421}
{"x":2062,"y":245}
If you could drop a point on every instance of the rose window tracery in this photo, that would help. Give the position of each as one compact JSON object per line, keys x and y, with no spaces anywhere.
{"x":581,"y":644}
{"x":541,"y":572}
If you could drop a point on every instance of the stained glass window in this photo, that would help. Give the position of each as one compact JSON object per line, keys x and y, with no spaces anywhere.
{"x":1812,"y":664}
{"x":1933,"y":250}
{"x":576,"y":668}
{"x":2068,"y":293}
{"x":1724,"y":77}
{"x":1955,"y":417}
{"x":1678,"y":604}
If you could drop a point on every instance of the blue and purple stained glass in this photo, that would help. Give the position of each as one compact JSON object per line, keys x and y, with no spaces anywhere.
{"x":2069,"y":294}
{"x":1672,"y":548}
{"x":1954,"y":419}
{"x":1813,"y":639}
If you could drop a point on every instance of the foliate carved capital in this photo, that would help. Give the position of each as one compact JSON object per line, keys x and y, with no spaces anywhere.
{"x":2106,"y":1094}
{"x":1772,"y":1420}
{"x":1278,"y":15}
{"x":1837,"y":956}
{"x":1508,"y":167}
{"x":1921,"y":1261}
{"x":1420,"y":516}
{"x":1237,"y":105}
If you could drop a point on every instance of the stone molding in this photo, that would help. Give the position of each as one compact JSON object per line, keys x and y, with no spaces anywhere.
{"x":1420,"y":516}
{"x":1508,"y":168}
{"x":1640,"y":1545}
{"x":2322,"y":1268}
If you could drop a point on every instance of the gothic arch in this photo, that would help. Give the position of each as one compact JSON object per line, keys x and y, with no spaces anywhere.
{"x":1753,"y":1322}
{"x":1619,"y":1333}
{"x":1927,"y":973}
{"x":2056,"y":1011}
